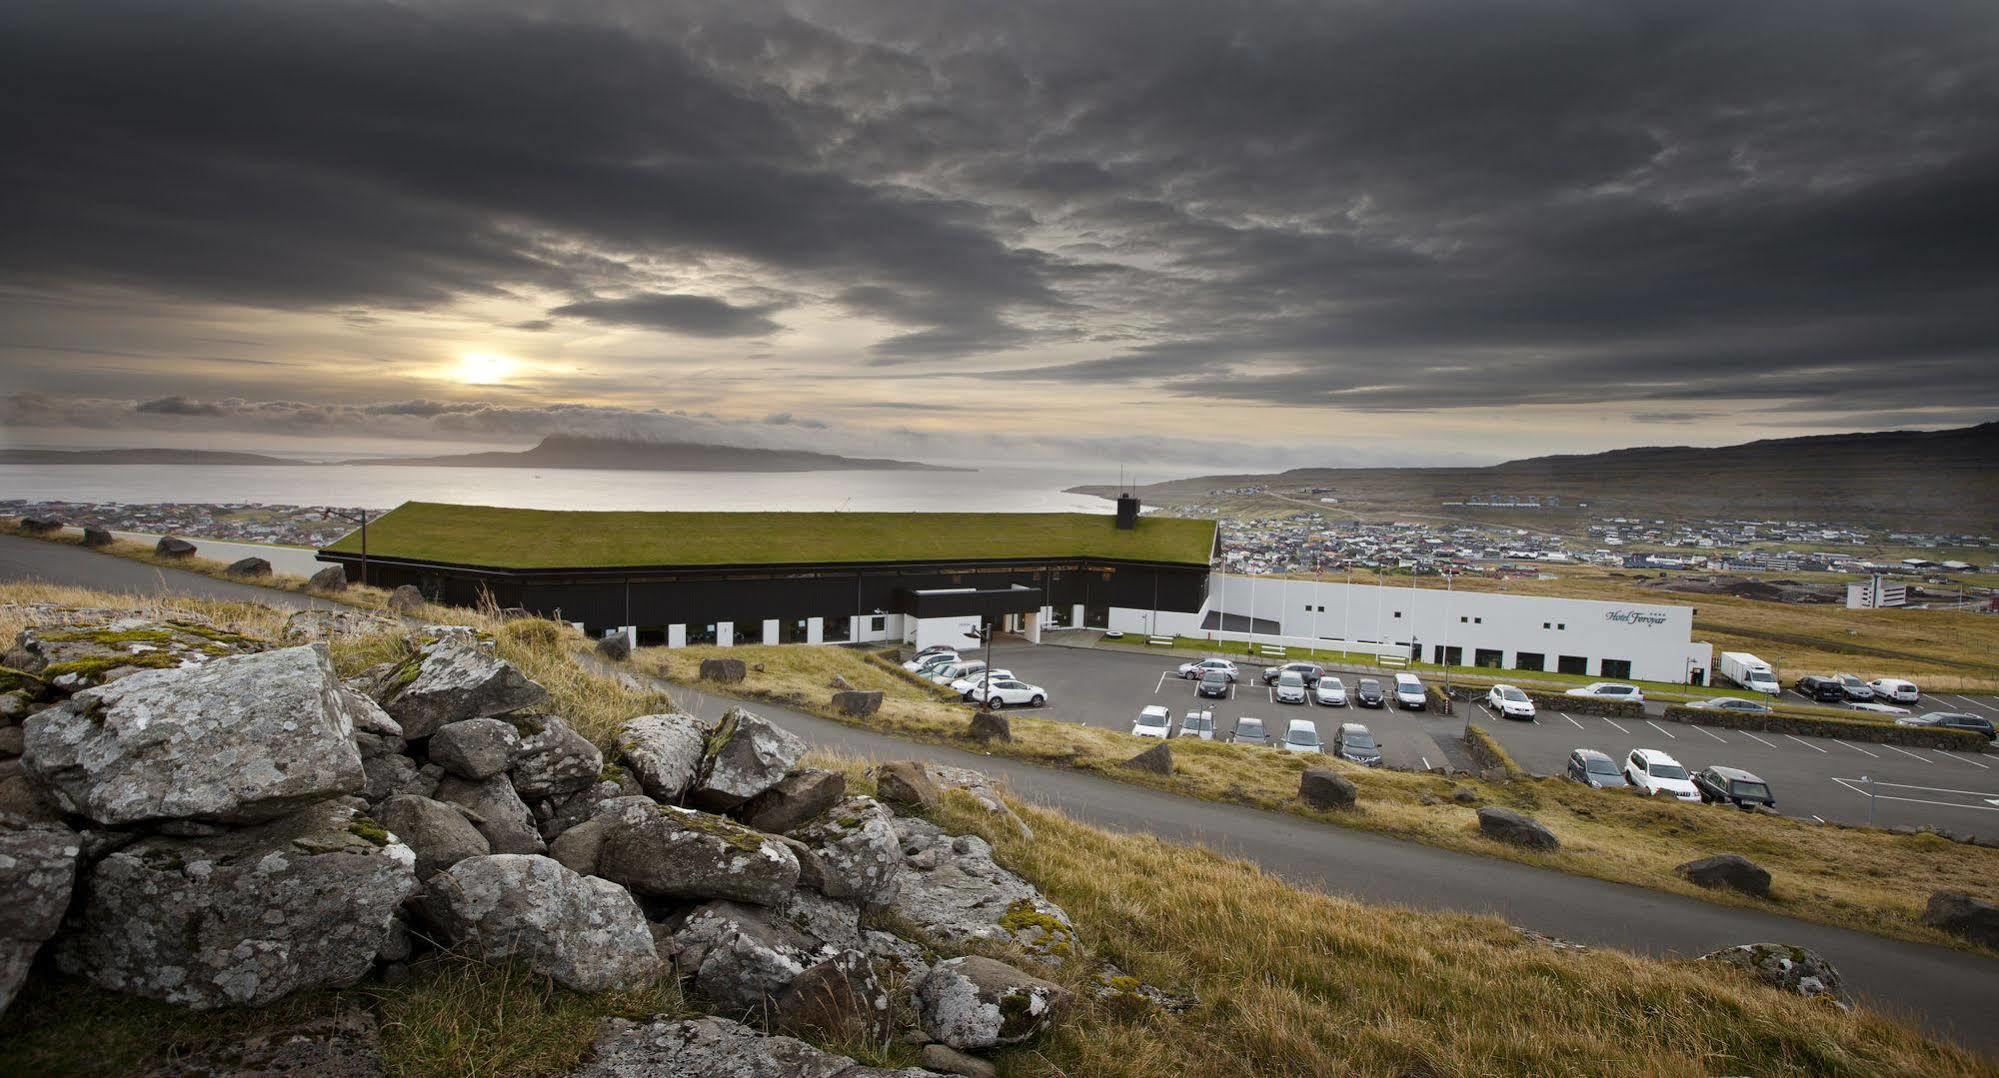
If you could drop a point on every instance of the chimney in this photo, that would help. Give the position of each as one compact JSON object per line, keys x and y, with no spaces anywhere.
{"x":1127,"y":511}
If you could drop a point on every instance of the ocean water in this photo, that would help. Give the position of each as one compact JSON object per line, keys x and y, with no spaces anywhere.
{"x":1003,"y":490}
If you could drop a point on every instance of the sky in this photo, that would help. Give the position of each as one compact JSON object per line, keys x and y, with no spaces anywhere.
{"x":1173,"y":235}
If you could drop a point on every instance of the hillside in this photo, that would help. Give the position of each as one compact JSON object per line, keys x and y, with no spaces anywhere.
{"x":205,"y":457}
{"x":572,"y":451}
{"x":1947,"y":478}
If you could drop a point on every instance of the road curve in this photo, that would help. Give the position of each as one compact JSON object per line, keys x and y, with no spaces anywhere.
{"x":1946,"y":991}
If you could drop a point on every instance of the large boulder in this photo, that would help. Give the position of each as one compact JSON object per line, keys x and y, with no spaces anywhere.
{"x":553,"y":760}
{"x":244,"y":917}
{"x":974,"y":1002}
{"x":585,"y":933}
{"x":38,"y":863}
{"x":454,"y":676}
{"x":1516,"y":829}
{"x":955,"y":894}
{"x":1730,"y":871}
{"x":475,"y":749}
{"x":1323,"y":788}
{"x":746,"y":756}
{"x":406,"y":599}
{"x":714,"y":1048}
{"x":671,"y":852}
{"x":40,"y":525}
{"x":988,"y":726}
{"x":741,"y":957}
{"x":857,"y":703}
{"x":248,"y":567}
{"x":1963,"y":915}
{"x":237,"y":739}
{"x":1781,"y":966}
{"x":439,"y":834}
{"x":95,"y":537}
{"x":798,"y":797}
{"x":170,"y":547}
{"x":386,"y":773}
{"x":842,"y":999}
{"x":905,"y":784}
{"x":663,"y":752}
{"x":726,"y":671}
{"x":331,"y":578}
{"x":616,"y":647}
{"x":856,"y":852}
{"x":497,"y":811}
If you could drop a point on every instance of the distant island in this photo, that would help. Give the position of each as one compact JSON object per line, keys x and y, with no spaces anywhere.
{"x":554,"y":451}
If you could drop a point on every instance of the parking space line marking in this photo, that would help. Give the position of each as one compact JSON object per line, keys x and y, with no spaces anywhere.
{"x":1817,"y":817}
{"x":1976,"y":704}
{"x":1572,"y":722}
{"x":1758,"y":740}
{"x":1426,"y":762}
{"x":1662,"y":729}
{"x":1907,"y":753}
{"x":1807,"y":744}
{"x":1620,"y":729}
{"x":1855,"y":748}
{"x":1161,"y":685}
{"x":1861,"y":790}
{"x":1712,"y":734}
{"x":1960,"y":759}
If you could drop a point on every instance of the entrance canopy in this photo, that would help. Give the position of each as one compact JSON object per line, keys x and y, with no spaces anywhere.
{"x":990,"y":604}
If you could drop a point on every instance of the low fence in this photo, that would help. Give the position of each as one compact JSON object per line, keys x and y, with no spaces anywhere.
{"x":1585,"y":705}
{"x":1885,"y":733}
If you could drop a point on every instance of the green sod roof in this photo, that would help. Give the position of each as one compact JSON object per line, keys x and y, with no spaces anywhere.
{"x":558,"y":539}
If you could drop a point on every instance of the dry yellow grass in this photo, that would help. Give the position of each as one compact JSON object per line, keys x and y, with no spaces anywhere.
{"x":1870,"y":880}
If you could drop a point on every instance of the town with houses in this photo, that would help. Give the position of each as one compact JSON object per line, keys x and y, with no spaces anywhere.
{"x":241,"y":522}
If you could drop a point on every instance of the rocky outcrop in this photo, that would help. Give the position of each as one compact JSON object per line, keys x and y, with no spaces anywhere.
{"x":615,"y":648}
{"x":841,"y":999}
{"x":857,"y":703}
{"x":746,"y":755}
{"x":38,"y":864}
{"x":438,"y":834}
{"x":453,"y":677}
{"x":1157,"y":760}
{"x":714,"y":1048}
{"x":244,"y":917}
{"x":986,"y":726}
{"x":333,"y":578}
{"x":238,"y":739}
{"x":405,"y":600}
{"x":979,"y":787}
{"x":974,"y":1002}
{"x":905,"y":784}
{"x":855,"y":852}
{"x":93,"y":651}
{"x":1784,"y":967}
{"x":1728,"y":871}
{"x":1963,"y":915}
{"x":1324,"y":789}
{"x":1515,"y":829}
{"x":248,"y":567}
{"x":796,"y":798}
{"x":497,"y":811}
{"x":663,"y":752}
{"x":170,"y":547}
{"x":585,"y":933}
{"x":724,"y":671}
{"x":954,"y":893}
{"x":671,"y":852}
{"x":741,"y":958}
{"x":475,"y":749}
{"x":553,"y":760}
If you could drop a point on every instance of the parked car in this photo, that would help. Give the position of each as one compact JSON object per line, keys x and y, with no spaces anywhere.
{"x":1877,"y":708}
{"x":1153,"y":721}
{"x":947,"y":673}
{"x":1896,"y":689}
{"x":1593,"y":768}
{"x":1330,"y":692}
{"x":1214,"y":683}
{"x":1310,"y":672}
{"x":1002,"y":691}
{"x":1952,"y":720}
{"x":935,"y":649}
{"x":1610,"y":690}
{"x":972,"y":687}
{"x":1857,"y":690}
{"x":1732,"y":703}
{"x":1195,"y":669}
{"x":1368,"y":693}
{"x":1655,"y":771}
{"x":1720,"y":785}
{"x":1509,"y":702}
{"x":1409,"y":694}
{"x":1198,"y":724}
{"x":1352,"y":741}
{"x":1250,"y":732}
{"x":1818,"y":687}
{"x":1290,"y":689}
{"x":924,"y":663}
{"x":1301,"y":736}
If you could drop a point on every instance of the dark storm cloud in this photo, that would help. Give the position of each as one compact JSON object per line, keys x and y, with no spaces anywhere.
{"x":695,"y":316}
{"x":1400,"y":207}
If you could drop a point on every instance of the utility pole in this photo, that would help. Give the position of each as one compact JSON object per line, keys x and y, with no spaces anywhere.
{"x":362,"y":519}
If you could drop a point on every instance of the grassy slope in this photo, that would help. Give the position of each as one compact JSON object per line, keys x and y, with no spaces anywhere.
{"x":1292,"y":982}
{"x":1870,"y":880}
{"x":534,"y":538}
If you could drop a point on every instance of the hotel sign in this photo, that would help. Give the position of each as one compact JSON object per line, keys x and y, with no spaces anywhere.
{"x":1634,"y":617}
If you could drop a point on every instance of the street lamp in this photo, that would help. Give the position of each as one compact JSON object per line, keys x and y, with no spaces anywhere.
{"x":360,"y":517}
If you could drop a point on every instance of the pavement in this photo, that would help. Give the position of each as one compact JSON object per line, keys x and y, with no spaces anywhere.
{"x":1946,"y":991}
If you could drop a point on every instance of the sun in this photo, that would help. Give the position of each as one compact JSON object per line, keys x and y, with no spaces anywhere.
{"x":484,"y":368}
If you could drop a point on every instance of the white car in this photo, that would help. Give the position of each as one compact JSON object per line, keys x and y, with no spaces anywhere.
{"x":1878,"y":709}
{"x":1894,"y":688}
{"x":950,"y":672}
{"x":1610,"y":690}
{"x":1409,"y":693}
{"x":924,"y":664}
{"x":1193,"y":671}
{"x":1198,"y":724}
{"x":1010,"y":690}
{"x":970,"y":685}
{"x":1653,"y":771}
{"x":1330,"y":692}
{"x":1301,"y":736}
{"x":1509,"y":702}
{"x":1153,"y":721}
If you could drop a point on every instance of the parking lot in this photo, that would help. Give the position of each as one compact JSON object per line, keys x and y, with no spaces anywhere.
{"x":1823,"y":778}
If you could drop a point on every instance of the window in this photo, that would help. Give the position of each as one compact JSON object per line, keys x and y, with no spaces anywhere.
{"x":1491,"y":657}
{"x":1464,"y":621}
{"x":1618,"y":668}
{"x":1449,"y":656}
{"x":793,"y":631}
{"x":1398,"y":613}
{"x":1572,"y":664}
{"x":1530,"y":660}
{"x":1561,"y":626}
{"x":878,"y":624}
{"x":833,"y":629}
{"x":1547,"y":625}
{"x":701,"y":634}
{"x":1478,"y":621}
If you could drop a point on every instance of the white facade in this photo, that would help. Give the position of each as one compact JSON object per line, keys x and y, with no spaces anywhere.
{"x":1613,"y":640}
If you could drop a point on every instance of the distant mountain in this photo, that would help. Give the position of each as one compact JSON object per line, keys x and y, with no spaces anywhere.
{"x":1922,"y":480}
{"x":136,"y":456}
{"x":572,"y":451}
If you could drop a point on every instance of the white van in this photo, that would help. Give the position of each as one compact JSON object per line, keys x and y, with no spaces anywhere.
{"x":1409,"y":694}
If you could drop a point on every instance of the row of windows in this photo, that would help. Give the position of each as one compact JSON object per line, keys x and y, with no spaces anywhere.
{"x":1532,"y":660}
{"x":1462,"y":620}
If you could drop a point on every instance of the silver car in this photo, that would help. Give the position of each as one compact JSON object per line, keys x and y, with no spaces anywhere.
{"x":1290,"y":688}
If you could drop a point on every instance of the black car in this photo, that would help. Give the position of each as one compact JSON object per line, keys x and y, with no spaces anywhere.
{"x":1368,"y":693}
{"x":1214,"y":683}
{"x":1311,"y":672}
{"x":1823,"y":689}
{"x":1952,"y":720}
{"x":1732,"y":785}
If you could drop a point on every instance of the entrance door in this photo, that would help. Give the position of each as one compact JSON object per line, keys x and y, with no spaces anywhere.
{"x":1096,"y":617}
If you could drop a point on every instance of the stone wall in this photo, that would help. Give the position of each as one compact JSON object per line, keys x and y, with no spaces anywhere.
{"x":1585,"y":705}
{"x":1847,"y":729}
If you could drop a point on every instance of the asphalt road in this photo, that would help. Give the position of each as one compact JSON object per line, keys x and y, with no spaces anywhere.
{"x":1949,"y":992}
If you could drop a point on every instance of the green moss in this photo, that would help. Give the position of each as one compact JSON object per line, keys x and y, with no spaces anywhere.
{"x":107,"y":636}
{"x":12,"y":680}
{"x":366,"y":828}
{"x":733,"y":834}
{"x":96,"y":666}
{"x":220,"y":636}
{"x":1016,"y":1012}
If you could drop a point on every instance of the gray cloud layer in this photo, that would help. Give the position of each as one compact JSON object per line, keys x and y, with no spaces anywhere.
{"x":1378,"y":207}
